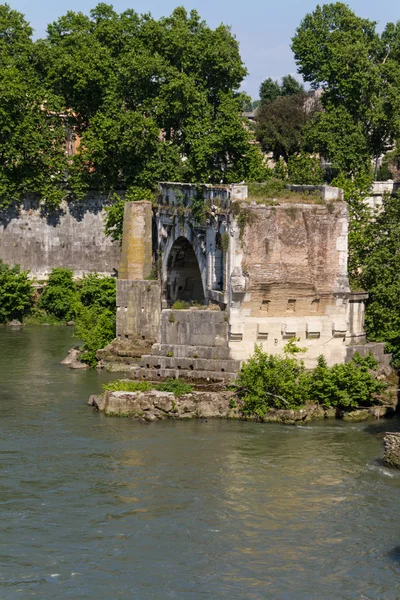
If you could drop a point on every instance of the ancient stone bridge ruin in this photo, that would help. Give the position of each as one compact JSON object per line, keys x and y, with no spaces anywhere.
{"x":260,"y":271}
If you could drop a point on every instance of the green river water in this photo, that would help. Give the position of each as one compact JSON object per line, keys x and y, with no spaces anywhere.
{"x":107,"y":508}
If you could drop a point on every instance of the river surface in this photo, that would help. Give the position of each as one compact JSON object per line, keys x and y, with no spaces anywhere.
{"x":107,"y":508}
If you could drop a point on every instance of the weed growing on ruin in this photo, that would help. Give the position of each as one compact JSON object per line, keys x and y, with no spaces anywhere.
{"x":244,"y":216}
{"x":176,"y":386}
{"x":180,"y":305}
{"x":125,"y":385}
{"x":225,"y":242}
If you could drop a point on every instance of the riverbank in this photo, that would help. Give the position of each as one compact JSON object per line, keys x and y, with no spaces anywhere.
{"x":155,"y":405}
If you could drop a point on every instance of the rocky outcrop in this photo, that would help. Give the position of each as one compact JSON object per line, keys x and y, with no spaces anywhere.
{"x":391,"y":443}
{"x":156,"y":405}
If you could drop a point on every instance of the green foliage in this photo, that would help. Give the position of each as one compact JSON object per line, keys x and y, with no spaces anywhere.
{"x":144,"y":93}
{"x":99,"y":291}
{"x":304,"y":169}
{"x":180,"y":305}
{"x":16,"y":293}
{"x":270,"y":90}
{"x":281,"y":123}
{"x":32,"y":132}
{"x":96,"y":320}
{"x":176,"y":386}
{"x":375,"y":268}
{"x":359,"y":73}
{"x":346,"y":386}
{"x":124,"y":385}
{"x":271,"y":381}
{"x":96,"y":328}
{"x":114,"y":219}
{"x":60,"y":297}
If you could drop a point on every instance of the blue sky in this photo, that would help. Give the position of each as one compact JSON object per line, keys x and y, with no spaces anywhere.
{"x":262,"y":27}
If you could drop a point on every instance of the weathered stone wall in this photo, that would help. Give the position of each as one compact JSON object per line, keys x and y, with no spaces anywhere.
{"x":136,"y":251}
{"x":194,"y":328}
{"x":138,"y":309}
{"x":71,"y":237}
{"x":289,"y":279}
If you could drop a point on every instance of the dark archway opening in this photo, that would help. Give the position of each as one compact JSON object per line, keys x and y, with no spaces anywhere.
{"x":183,"y":274}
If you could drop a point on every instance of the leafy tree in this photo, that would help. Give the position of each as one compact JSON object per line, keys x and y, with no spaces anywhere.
{"x":32,"y":132}
{"x":304,"y":169}
{"x":96,"y":290}
{"x":378,"y":259}
{"x":340,"y":140}
{"x":144,"y":93}
{"x":270,"y":90}
{"x":280,"y":125}
{"x":359,"y":73}
{"x":16,"y":293}
{"x":60,"y":297}
{"x":290,"y":86}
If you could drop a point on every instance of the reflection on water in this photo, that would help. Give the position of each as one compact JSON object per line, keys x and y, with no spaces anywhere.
{"x":95,"y":507}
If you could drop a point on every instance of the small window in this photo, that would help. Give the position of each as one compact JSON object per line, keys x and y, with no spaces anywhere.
{"x":291,"y":306}
{"x":265,"y":305}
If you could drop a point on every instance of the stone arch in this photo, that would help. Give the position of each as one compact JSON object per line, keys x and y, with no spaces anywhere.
{"x":182,"y":274}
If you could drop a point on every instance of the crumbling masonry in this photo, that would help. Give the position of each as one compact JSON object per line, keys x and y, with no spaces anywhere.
{"x":271,"y":271}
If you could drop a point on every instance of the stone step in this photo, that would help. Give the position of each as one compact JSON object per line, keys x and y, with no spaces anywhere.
{"x":187,"y":375}
{"x":178,"y":351}
{"x":189,"y":364}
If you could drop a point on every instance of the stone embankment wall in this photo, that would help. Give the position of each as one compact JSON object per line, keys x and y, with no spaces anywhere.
{"x":72,"y":237}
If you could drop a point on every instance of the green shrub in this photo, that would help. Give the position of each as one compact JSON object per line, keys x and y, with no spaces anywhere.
{"x":60,"y":297}
{"x":270,"y":381}
{"x":16,"y":293}
{"x":346,"y":386}
{"x":99,"y":291}
{"x":95,"y":326}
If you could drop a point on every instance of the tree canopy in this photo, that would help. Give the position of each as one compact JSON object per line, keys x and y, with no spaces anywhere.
{"x":149,"y":99}
{"x":359,"y":73}
{"x":271,"y":89}
{"x":32,"y":134}
{"x":281,"y":123}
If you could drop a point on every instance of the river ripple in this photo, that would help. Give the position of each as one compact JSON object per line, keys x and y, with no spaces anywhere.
{"x":103,"y":508}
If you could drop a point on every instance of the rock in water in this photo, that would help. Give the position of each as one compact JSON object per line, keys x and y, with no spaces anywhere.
{"x":391,"y":457}
{"x":72,"y":360}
